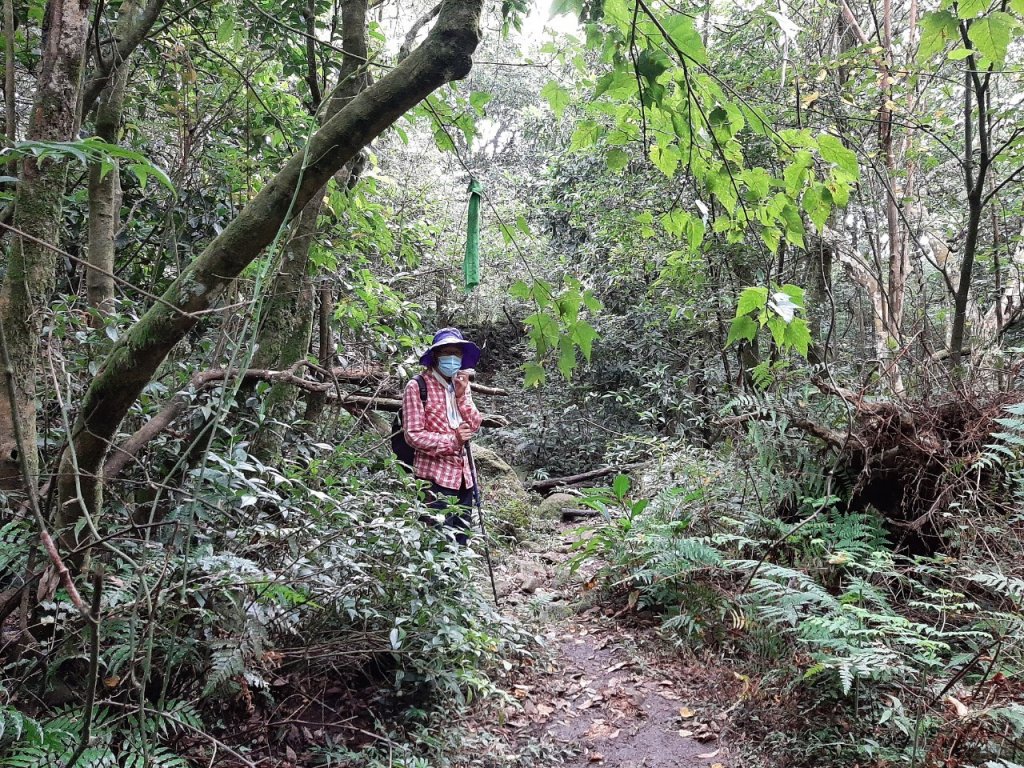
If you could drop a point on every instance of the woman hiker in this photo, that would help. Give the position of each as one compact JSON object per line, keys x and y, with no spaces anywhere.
{"x":438,"y":429}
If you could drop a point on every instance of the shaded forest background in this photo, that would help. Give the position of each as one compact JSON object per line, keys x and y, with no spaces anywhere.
{"x":765,"y":258}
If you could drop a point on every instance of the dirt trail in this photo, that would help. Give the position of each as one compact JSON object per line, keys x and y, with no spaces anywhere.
{"x":610,"y":693}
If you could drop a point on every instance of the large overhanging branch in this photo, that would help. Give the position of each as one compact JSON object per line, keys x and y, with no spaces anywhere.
{"x":445,"y":55}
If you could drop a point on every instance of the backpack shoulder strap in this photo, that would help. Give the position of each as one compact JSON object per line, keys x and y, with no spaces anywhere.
{"x":423,"y":387}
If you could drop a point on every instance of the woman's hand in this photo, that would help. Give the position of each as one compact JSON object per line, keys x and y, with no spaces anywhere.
{"x":461,"y":383}
{"x":464,"y":434}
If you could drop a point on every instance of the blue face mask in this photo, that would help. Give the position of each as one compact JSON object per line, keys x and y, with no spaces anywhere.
{"x":449,"y":365}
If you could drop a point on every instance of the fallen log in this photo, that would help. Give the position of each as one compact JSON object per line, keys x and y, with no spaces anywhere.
{"x":554,"y":482}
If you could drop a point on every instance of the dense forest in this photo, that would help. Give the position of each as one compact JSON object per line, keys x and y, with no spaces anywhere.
{"x":747,"y":280}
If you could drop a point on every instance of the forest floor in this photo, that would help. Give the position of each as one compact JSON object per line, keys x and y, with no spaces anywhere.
{"x":608,"y":690}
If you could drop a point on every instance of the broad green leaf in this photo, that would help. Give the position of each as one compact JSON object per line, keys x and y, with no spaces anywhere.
{"x":685,"y":37}
{"x":620,"y":486}
{"x":970,"y":9}
{"x":777,"y":326}
{"x":742,"y":328}
{"x":557,"y":97}
{"x":478,"y":100}
{"x":794,"y":225}
{"x":533,"y":375}
{"x":991,"y":36}
{"x":519,"y":290}
{"x":616,"y":159}
{"x":522,"y":225}
{"x":758,"y":183}
{"x":840,"y":192}
{"x":226,"y":30}
{"x":817,"y":201}
{"x":666,"y":159}
{"x":652,"y":64}
{"x":794,"y":292}
{"x":675,"y":222}
{"x":618,"y":13}
{"x":723,"y":188}
{"x":936,"y":29}
{"x":585,"y":136}
{"x":694,"y":233}
{"x":751,"y":300}
{"x":796,"y":172}
{"x":798,"y":336}
{"x":833,"y":151}
{"x":772,"y":237}
{"x":566,"y":357}
{"x":584,"y":335}
{"x":592,"y":302}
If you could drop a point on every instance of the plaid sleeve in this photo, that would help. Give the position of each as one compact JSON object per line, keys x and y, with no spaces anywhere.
{"x":416,"y":433}
{"x":469,"y":412}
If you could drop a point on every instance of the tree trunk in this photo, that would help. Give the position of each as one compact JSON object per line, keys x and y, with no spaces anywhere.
{"x":105,"y":200}
{"x":10,"y":113}
{"x":28,"y":284}
{"x":288,"y":314}
{"x":445,"y":55}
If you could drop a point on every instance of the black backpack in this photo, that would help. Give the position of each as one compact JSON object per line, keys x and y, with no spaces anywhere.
{"x":402,"y":449}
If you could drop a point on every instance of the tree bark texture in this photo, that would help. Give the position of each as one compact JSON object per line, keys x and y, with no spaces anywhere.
{"x":28,"y":284}
{"x":445,"y":55}
{"x":10,"y":113}
{"x":105,"y":200}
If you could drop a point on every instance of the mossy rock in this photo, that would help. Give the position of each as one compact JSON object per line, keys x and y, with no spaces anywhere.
{"x":551,"y":506}
{"x":498,"y":480}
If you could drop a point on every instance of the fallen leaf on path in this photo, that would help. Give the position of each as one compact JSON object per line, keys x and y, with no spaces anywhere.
{"x":686,"y":713}
{"x":596,"y":757}
{"x":709,"y":755}
{"x":685,"y":733}
{"x":704,"y":733}
{"x":717,"y":765}
{"x":617,"y":667}
{"x":544,"y":710}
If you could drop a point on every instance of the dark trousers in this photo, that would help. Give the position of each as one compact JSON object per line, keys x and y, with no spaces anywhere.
{"x":457,"y":505}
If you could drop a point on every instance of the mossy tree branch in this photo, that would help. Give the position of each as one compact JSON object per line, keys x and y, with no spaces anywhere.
{"x":444,"y":56}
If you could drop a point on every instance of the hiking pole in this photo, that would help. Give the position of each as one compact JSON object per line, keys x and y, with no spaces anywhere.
{"x":478,"y":498}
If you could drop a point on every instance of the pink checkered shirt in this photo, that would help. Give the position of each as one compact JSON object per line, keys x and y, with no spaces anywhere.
{"x":439,"y":455}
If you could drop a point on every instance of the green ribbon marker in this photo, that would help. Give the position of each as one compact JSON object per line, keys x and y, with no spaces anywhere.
{"x":471,"y":264}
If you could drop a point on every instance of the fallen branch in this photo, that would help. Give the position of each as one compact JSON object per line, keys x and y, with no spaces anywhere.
{"x":829,"y":436}
{"x":381,"y":376}
{"x":122,"y":454}
{"x":554,"y":482}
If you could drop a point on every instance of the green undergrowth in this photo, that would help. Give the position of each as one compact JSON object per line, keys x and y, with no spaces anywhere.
{"x":854,"y":652}
{"x":253,"y":588}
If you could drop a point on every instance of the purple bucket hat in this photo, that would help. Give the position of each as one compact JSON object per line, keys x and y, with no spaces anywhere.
{"x":446,"y":336}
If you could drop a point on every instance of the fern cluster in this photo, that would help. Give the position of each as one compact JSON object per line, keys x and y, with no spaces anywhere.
{"x":818,"y":599}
